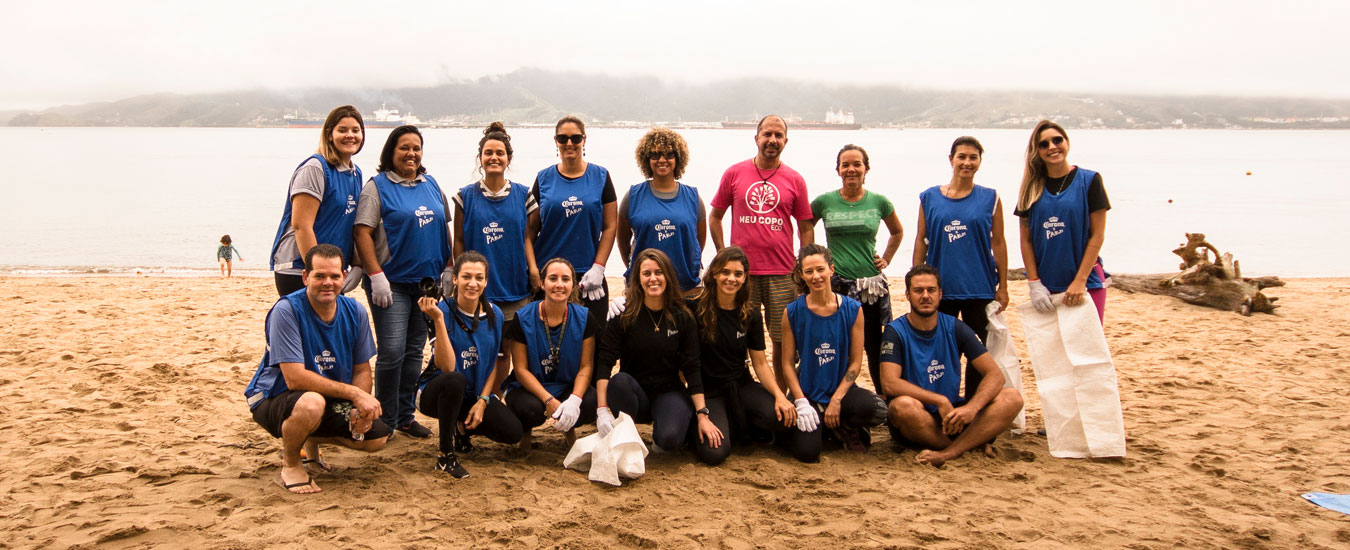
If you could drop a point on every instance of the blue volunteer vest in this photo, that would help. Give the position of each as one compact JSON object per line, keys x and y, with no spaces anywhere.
{"x":934,"y":363}
{"x":822,"y":346}
{"x":414,"y":220}
{"x":570,"y":216}
{"x":555,"y":378}
{"x":495,"y":228}
{"x":475,"y":354}
{"x":668,"y":225}
{"x":336,"y":215}
{"x":959,"y":241}
{"x":1059,"y":233}
{"x":328,"y":346}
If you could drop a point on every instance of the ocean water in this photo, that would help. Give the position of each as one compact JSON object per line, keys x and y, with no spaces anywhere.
{"x":158,"y":199}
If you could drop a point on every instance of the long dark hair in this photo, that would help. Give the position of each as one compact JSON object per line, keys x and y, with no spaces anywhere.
{"x":706,"y":305}
{"x":672,"y":298}
{"x":473,"y":257}
{"x":387,"y":154}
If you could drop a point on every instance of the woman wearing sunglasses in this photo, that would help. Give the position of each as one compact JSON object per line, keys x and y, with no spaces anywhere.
{"x":576,"y":217}
{"x":662,"y":213}
{"x":1063,"y":219}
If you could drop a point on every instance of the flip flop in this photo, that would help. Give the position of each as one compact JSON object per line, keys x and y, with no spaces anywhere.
{"x":311,"y":463}
{"x":291,"y":487}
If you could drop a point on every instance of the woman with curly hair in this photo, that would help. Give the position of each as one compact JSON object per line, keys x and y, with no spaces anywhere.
{"x":729,"y":332}
{"x":1063,"y":212}
{"x":662,"y":213}
{"x":655,"y":340}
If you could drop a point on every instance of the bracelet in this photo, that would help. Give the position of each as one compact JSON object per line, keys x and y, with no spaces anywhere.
{"x":484,"y":397}
{"x":550,"y":399}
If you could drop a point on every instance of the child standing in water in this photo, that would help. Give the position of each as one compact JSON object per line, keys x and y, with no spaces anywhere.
{"x":225,"y":254}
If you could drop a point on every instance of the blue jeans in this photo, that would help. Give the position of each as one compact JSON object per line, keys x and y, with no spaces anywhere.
{"x":400,"y":336}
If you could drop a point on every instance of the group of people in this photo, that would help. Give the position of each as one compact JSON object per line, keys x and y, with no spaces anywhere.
{"x":508,"y":281}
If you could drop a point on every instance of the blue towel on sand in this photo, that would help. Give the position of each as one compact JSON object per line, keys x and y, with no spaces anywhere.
{"x":1330,"y":501}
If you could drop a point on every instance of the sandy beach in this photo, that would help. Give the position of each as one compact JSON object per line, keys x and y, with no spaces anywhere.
{"x":125,"y":427}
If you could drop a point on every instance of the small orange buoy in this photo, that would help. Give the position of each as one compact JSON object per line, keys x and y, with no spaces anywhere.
{"x":1249,"y":172}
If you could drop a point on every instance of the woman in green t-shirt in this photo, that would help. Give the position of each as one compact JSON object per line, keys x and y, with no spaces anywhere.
{"x":852,"y":217}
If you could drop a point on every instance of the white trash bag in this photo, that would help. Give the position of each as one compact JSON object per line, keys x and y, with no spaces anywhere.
{"x":1080,"y":397}
{"x":619,"y":454}
{"x":1001,"y":349}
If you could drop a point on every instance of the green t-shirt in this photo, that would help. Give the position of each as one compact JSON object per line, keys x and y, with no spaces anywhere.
{"x":851,"y":230}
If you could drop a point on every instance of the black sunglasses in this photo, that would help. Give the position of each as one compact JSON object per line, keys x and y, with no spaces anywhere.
{"x":1045,"y":143}
{"x":576,"y":138}
{"x":668,"y":155}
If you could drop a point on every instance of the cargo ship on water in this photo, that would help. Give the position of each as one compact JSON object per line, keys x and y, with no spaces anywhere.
{"x":384,"y":118}
{"x":834,"y":120}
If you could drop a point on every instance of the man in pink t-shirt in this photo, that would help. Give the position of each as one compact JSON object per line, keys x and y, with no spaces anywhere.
{"x":765,"y":196}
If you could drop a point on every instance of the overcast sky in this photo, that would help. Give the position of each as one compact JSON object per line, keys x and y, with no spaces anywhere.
{"x":76,"y":51}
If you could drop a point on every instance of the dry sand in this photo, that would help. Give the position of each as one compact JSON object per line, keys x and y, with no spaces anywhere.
{"x":125,"y":426}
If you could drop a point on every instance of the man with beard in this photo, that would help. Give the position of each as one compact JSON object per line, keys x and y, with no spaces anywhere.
{"x":765,"y":196}
{"x":921,"y":370}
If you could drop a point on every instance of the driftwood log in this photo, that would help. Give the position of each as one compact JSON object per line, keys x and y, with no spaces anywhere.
{"x":1207,"y":278}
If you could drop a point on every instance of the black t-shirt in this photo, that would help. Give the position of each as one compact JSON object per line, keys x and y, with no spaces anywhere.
{"x":607,"y":195}
{"x":653,"y":351}
{"x":513,"y":332}
{"x":723,"y":360}
{"x":1097,"y":199}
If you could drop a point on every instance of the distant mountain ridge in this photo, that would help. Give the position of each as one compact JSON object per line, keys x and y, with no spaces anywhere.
{"x":538,"y":96}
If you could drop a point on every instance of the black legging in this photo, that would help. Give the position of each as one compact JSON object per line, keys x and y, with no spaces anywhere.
{"x":446,"y":393}
{"x":973,"y":314}
{"x":860,"y":409}
{"x":288,"y":283}
{"x":670,"y":413}
{"x":532,"y":413}
{"x":756,"y":405}
{"x":872,"y":330}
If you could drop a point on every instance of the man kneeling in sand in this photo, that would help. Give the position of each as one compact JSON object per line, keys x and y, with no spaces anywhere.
{"x":921,"y":368}
{"x":313,"y":384}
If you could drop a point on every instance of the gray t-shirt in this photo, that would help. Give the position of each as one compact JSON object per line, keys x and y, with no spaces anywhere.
{"x":307,"y":180}
{"x":368,"y":212}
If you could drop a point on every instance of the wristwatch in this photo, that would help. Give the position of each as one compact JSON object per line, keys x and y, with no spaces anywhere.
{"x":704,"y":411}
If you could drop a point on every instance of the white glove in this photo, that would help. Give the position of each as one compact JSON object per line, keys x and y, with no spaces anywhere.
{"x":604,"y":421}
{"x":593,"y":282}
{"x":448,"y":281}
{"x":807,"y":417}
{"x":380,"y":293}
{"x":567,"y":413}
{"x":872,"y":288}
{"x":1040,"y":296}
{"x":616,"y":307}
{"x":353,"y":278}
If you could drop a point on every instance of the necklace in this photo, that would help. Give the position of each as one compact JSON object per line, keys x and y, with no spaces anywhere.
{"x":553,"y":347}
{"x":761,"y":175}
{"x":655,"y":319}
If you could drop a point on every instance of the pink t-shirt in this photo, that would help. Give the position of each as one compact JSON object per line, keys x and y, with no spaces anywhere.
{"x":762,"y":212}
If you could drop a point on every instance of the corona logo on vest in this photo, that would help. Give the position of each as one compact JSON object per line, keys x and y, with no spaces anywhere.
{"x":1053,"y":227}
{"x":664,"y":230}
{"x":493,"y":232}
{"x":825,"y":354}
{"x":351,"y":205}
{"x":571,"y":206}
{"x":954,"y":230}
{"x":469,"y":357}
{"x":424,"y":216}
{"x":935,"y":371}
{"x":325,"y":361}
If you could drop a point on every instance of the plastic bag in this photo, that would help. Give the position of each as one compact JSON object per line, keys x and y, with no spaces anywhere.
{"x":1001,"y":348}
{"x":621,"y":454}
{"x":1080,"y":397}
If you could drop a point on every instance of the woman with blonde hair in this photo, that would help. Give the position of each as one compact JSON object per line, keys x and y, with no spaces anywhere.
{"x":1063,"y":223}
{"x":321,"y":202}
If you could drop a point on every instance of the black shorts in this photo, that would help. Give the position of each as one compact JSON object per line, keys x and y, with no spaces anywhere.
{"x":272,"y":412}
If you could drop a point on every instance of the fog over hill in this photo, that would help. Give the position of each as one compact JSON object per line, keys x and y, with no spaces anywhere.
{"x":538,"y":96}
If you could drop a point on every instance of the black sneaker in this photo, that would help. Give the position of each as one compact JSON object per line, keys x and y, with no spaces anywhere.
{"x":463,"y":445}
{"x":449,"y":463}
{"x":850,"y":439}
{"x":416,"y":430}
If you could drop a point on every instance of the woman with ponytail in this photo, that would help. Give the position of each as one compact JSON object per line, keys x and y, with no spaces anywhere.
{"x":490,"y":217}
